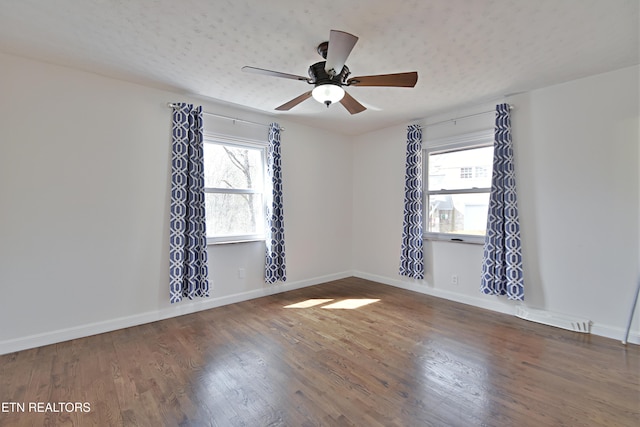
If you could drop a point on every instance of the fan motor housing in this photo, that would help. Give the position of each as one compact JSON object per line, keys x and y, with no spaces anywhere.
{"x":320,"y":76}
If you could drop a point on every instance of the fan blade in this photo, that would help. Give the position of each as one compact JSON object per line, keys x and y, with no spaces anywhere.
{"x":352,"y":106}
{"x":255,"y":70}
{"x":391,"y":80}
{"x":340,"y":46}
{"x":295,"y":101}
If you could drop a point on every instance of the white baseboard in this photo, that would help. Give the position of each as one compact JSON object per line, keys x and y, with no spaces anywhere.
{"x":570,"y":323}
{"x":489,"y":303}
{"x":60,"y":335}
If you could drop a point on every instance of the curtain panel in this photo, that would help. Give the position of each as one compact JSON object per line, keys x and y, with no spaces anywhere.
{"x":412,"y":254}
{"x":188,"y":269}
{"x":502,"y":257}
{"x":275,"y":266}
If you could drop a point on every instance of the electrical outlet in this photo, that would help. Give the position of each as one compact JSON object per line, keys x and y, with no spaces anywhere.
{"x":454,"y":279}
{"x":241,"y":273}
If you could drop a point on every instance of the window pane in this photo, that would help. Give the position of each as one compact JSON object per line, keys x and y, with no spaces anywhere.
{"x":461,"y":169}
{"x":458,"y":213}
{"x":234,"y":214}
{"x":232,"y":167}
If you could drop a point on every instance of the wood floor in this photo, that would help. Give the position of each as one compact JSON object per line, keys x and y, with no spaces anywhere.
{"x":405,"y":360}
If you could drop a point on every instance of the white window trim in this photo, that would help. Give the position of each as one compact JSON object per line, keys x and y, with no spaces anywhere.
{"x":478,"y":139}
{"x":213,"y":138}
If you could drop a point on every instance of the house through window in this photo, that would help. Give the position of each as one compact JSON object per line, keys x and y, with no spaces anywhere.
{"x":466,"y":172}
{"x":457,"y":186}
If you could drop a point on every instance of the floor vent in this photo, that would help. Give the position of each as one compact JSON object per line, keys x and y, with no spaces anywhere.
{"x":554,"y":319}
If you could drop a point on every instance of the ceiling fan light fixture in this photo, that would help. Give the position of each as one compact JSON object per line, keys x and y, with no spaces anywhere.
{"x":327,"y":93}
{"x":328,"y":82}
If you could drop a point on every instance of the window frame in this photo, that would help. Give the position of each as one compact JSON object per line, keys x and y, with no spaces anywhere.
{"x":229,"y":141}
{"x":483,"y":138}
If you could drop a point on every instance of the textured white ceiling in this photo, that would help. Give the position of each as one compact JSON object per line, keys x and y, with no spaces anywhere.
{"x":466,"y":52}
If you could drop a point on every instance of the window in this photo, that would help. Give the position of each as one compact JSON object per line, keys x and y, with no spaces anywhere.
{"x":457,"y":186}
{"x":234,"y":190}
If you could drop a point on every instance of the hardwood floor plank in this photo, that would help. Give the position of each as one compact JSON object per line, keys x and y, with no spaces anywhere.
{"x":406,"y":359}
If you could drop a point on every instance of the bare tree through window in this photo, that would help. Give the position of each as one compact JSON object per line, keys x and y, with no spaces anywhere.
{"x":234,"y":184}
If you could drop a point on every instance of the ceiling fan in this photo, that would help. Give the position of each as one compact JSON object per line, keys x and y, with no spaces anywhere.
{"x":329,"y":76}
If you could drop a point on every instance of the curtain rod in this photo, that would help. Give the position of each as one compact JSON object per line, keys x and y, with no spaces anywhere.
{"x":172,"y":105}
{"x":463,"y":117}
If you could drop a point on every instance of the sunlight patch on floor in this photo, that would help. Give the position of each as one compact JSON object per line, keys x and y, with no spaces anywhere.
{"x":351,"y":304}
{"x":308,"y":303}
{"x":348,"y":304}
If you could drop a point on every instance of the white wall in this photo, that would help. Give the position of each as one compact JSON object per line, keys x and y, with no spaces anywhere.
{"x":84,"y":179}
{"x":578,"y":156}
{"x":84,"y":193}
{"x":576,"y":153}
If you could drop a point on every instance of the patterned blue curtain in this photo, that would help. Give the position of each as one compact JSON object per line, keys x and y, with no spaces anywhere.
{"x":188,"y":270}
{"x":412,"y":256}
{"x":275,"y":268}
{"x":502,"y":260}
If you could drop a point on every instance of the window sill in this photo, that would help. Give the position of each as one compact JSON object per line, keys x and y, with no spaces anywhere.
{"x":465,"y":239}
{"x":211,"y":242}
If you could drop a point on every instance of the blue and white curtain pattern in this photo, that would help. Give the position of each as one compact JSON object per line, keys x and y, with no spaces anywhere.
{"x":502,"y":260}
{"x":275,"y":268}
{"x":188,"y":271}
{"x":412,"y":254}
